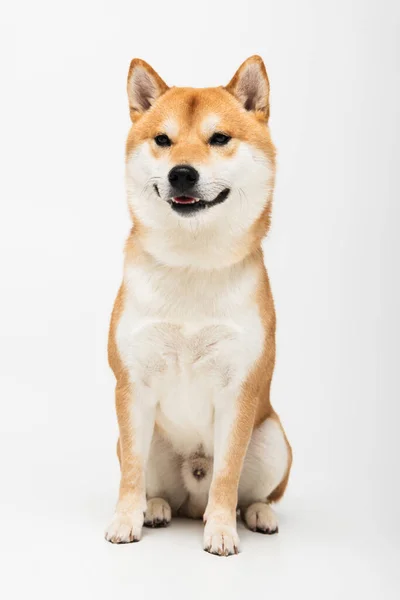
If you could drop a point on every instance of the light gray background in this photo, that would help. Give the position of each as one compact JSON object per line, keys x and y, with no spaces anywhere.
{"x":332,"y":256}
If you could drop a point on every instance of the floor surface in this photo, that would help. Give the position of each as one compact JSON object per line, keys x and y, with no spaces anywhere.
{"x":53,"y":546}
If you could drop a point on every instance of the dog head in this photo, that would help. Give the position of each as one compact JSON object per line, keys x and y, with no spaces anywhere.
{"x":200,"y":164}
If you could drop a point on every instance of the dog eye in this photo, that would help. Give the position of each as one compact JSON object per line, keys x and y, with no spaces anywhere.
{"x":219,"y":139}
{"x":162,"y":140}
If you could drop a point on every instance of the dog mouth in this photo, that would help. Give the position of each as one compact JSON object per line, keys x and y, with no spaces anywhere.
{"x":188,"y":205}
{"x":184,"y":200}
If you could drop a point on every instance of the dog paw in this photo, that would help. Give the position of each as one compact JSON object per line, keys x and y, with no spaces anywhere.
{"x":260,"y":517}
{"x":221,"y":539}
{"x":158,"y":513}
{"x":125,"y":528}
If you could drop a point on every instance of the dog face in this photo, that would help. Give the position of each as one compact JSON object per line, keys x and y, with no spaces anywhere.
{"x":200,"y":160}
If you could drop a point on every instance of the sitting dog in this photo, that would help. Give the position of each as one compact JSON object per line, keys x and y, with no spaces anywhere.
{"x":192,"y":335}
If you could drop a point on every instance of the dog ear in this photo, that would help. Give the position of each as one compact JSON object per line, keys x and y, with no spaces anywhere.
{"x":250,"y":86}
{"x":144,"y":87}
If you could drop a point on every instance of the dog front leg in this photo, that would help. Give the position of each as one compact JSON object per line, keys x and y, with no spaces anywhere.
{"x":135,"y":414}
{"x":233,"y":426}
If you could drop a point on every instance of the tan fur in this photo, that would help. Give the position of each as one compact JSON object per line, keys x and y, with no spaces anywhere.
{"x":280,"y":489}
{"x":132,"y":482}
{"x":190,"y":107}
{"x":254,"y":405}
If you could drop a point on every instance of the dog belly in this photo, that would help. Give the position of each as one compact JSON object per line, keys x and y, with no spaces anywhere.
{"x":185,"y":415}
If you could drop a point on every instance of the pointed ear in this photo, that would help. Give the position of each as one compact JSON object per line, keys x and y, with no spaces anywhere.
{"x":250,"y":86}
{"x":144,"y":87}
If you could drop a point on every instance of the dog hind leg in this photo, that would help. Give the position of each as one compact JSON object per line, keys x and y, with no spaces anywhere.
{"x":264,"y":476}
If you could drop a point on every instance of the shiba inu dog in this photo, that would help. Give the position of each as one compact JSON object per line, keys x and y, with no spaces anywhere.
{"x":192,"y":335}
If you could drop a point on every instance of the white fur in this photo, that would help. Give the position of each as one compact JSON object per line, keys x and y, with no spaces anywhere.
{"x":210,"y":124}
{"x":268,"y":455}
{"x":170,"y":127}
{"x":190,"y":333}
{"x":260,"y":517}
{"x":209,"y":238}
{"x":158,"y":512}
{"x":188,"y":339}
{"x":220,"y":538}
{"x":125,"y":527}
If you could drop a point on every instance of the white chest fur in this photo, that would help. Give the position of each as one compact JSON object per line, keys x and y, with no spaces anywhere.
{"x":187,"y":338}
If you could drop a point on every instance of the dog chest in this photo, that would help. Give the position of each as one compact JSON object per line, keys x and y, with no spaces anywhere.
{"x":181,"y":356}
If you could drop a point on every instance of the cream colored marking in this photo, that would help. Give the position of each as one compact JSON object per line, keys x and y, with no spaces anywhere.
{"x":210,"y":124}
{"x":171,"y":128}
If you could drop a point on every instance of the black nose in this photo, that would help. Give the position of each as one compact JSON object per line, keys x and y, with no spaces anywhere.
{"x":183,"y":177}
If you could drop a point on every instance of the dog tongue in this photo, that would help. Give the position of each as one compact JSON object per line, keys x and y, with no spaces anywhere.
{"x":184,"y":199}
